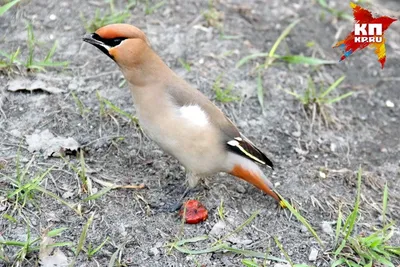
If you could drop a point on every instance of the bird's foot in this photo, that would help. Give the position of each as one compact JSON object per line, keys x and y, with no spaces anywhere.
{"x":189,"y":192}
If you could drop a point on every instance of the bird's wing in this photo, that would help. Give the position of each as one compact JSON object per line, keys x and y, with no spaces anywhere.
{"x":185,"y":95}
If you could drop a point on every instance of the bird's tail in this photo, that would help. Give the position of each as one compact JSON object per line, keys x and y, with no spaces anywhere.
{"x":250,"y":172}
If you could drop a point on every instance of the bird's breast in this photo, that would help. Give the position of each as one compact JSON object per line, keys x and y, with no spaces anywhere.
{"x":185,"y":132}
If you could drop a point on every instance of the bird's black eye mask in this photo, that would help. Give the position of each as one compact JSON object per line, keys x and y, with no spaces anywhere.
{"x":110,"y":42}
{"x":102,"y":43}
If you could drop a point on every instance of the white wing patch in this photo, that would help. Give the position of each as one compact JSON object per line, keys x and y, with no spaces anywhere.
{"x":233,"y":143}
{"x":194,"y":114}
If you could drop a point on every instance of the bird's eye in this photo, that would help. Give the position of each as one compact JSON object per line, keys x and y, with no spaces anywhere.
{"x":110,"y":42}
{"x":116,"y":41}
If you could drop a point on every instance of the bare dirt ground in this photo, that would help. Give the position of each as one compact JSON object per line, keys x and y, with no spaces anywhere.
{"x":315,"y":163}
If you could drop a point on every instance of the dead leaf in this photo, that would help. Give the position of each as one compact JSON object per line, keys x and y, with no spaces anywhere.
{"x":50,"y":145}
{"x":58,"y":259}
{"x":44,"y":250}
{"x":21,"y":84}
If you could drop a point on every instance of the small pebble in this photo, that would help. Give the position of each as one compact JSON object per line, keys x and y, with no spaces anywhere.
{"x":154,"y":252}
{"x":313,"y":254}
{"x":53,"y":17}
{"x":296,"y":134}
{"x":333,"y":147}
{"x":327,"y":228}
{"x":218,"y":229}
{"x":240,"y":241}
{"x":322,"y":175}
{"x":389,"y":104}
{"x":240,"y":189}
{"x":73,"y":86}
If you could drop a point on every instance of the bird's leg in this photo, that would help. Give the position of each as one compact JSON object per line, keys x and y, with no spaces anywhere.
{"x":193,"y":181}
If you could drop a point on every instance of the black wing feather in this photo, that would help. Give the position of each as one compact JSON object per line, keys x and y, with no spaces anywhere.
{"x":245,"y":148}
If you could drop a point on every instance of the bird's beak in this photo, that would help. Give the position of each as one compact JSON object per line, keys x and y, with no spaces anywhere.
{"x":99,"y":44}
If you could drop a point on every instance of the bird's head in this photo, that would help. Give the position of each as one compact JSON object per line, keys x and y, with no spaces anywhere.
{"x":129,"y":47}
{"x":123,"y":43}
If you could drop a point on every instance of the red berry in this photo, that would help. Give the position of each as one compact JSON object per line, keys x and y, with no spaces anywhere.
{"x":195,"y":212}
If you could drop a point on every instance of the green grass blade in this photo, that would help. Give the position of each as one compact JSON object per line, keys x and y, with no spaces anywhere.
{"x":10,"y":218}
{"x":62,"y":201}
{"x":250,"y":57}
{"x":32,"y":184}
{"x":331,"y":101}
{"x":293,"y":94}
{"x":56,"y":232}
{"x":54,"y":64}
{"x":323,"y":3}
{"x":4,"y":8}
{"x":221,"y":212}
{"x":283,"y":250}
{"x":240,"y":227}
{"x":385,"y":262}
{"x":51,"y":52}
{"x":212,"y":249}
{"x":4,"y":54}
{"x":150,"y":10}
{"x":83,"y":236}
{"x":31,"y":45}
{"x":254,"y":254}
{"x":333,"y":86}
{"x":302,"y":220}
{"x":338,"y":225}
{"x":113,"y":259}
{"x":281,"y":37}
{"x":393,"y":250}
{"x":384,"y":203}
{"x":225,"y":247}
{"x":94,"y":251}
{"x":12,"y":243}
{"x":338,"y":262}
{"x":191,"y":240}
{"x":249,"y":263}
{"x":295,"y":59}
{"x":353,"y":216}
{"x":82,"y":170}
{"x":120,"y":111}
{"x":100,"y":193}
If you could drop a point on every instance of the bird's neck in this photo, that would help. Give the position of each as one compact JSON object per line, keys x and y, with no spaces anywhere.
{"x":149,"y":70}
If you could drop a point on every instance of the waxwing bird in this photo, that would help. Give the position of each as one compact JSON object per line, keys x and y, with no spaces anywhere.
{"x":179,"y":118}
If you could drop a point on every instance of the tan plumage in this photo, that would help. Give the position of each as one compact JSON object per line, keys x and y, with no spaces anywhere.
{"x":179,"y":118}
